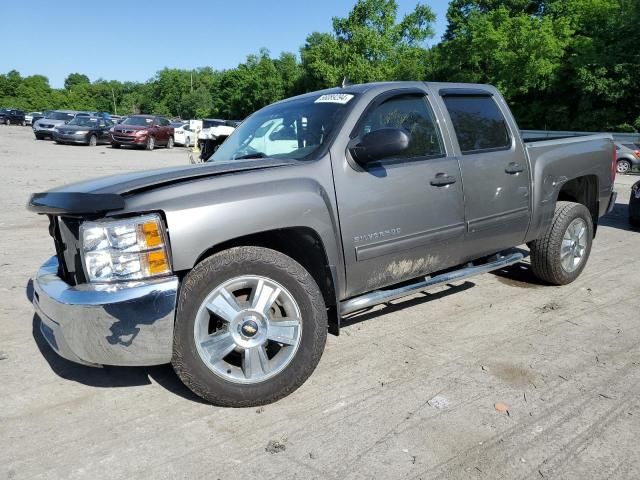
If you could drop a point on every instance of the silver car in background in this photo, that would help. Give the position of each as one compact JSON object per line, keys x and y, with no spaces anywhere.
{"x":44,"y":128}
{"x":628,"y":155}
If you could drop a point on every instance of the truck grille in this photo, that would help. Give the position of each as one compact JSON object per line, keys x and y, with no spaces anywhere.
{"x":65,"y":232}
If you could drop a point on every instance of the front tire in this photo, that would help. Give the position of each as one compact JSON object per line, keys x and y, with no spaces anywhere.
{"x":7,"y":121}
{"x":562,"y":253}
{"x":151,"y":143}
{"x":251,"y":326}
{"x":115,"y":145}
{"x":93,"y":141}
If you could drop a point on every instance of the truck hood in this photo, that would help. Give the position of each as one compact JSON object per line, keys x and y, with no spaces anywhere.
{"x":106,"y":193}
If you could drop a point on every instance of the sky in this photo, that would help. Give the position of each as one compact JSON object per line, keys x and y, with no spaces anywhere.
{"x":133,"y":39}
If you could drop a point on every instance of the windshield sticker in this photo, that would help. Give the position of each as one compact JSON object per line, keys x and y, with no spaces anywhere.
{"x":341,"y":98}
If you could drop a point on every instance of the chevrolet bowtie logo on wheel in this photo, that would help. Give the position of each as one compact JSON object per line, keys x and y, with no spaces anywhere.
{"x":250,"y":328}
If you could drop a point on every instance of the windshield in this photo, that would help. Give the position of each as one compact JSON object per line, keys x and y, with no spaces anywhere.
{"x":59,"y":116}
{"x":295,"y":129}
{"x":139,"y":121}
{"x":84,"y":121}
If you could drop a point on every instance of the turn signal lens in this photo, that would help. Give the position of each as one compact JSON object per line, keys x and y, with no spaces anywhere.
{"x":157,"y":263}
{"x":152,"y":235}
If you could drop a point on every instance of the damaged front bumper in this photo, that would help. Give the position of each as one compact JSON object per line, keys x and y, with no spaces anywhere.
{"x":106,"y":324}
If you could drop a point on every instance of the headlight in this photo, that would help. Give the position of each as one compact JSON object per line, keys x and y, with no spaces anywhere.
{"x":142,"y":132}
{"x":81,"y":132}
{"x":127,"y":249}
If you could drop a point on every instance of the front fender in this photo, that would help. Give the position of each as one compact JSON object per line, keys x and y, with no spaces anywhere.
{"x":207,"y":212}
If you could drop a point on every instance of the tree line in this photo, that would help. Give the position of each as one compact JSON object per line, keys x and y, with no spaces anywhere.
{"x":561,"y":64}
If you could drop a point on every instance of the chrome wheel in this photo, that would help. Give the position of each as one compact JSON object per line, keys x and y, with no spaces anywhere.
{"x":248,"y":329}
{"x":574,"y":245}
{"x":623,"y":166}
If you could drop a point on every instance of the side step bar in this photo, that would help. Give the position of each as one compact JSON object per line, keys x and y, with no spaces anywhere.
{"x":382,"y":296}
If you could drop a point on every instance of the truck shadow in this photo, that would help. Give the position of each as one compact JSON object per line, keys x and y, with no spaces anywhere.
{"x":109,"y":377}
{"x":618,"y":218}
{"x":399,"y":304}
{"x":518,"y":275}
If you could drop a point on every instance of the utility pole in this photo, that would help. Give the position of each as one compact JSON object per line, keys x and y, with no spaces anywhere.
{"x":113,"y":96}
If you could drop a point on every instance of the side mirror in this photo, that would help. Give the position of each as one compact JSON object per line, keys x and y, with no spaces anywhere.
{"x":379,"y":144}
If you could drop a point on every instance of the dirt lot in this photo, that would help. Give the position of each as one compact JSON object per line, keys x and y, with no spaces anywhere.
{"x":408,"y":393}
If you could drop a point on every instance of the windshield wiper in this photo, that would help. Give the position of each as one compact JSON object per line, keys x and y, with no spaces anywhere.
{"x":251,"y":155}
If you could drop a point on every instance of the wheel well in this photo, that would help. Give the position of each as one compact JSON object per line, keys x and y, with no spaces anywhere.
{"x":583,"y":190}
{"x":302,"y":244}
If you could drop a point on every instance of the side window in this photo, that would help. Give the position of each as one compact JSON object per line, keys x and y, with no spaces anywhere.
{"x":478,"y":123}
{"x":411,"y":112}
{"x":164,"y":122}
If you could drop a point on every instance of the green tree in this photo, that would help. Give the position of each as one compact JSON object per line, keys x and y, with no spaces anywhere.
{"x":368,"y":45}
{"x":34,"y":93}
{"x":74,"y":79}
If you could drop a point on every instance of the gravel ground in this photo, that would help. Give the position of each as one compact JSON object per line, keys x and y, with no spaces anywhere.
{"x":409,"y":393}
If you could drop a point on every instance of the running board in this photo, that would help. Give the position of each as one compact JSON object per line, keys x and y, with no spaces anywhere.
{"x":382,"y":296}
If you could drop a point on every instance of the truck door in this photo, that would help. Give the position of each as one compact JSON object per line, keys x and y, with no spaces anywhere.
{"x":400,"y":217}
{"x":494,"y":169}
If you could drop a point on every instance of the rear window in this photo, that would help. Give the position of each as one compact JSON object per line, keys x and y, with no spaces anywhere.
{"x":478,"y":122}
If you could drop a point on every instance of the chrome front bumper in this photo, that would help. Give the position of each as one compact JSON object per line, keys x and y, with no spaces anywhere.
{"x":106,"y":324}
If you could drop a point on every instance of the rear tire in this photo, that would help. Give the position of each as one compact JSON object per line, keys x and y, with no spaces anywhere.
{"x":562,"y":253}
{"x":170,"y":143}
{"x":228,"y":374}
{"x":24,"y":123}
{"x":7,"y":121}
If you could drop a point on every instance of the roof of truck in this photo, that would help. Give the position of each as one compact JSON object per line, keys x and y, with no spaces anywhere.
{"x":379,"y":87}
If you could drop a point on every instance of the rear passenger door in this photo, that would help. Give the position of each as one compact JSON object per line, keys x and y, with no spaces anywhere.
{"x":495,"y":171}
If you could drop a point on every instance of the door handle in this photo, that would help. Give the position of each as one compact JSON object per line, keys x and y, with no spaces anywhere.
{"x":514,"y":168}
{"x":442,"y":180}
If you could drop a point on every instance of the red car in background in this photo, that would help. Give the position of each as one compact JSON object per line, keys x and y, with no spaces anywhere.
{"x":148,"y":131}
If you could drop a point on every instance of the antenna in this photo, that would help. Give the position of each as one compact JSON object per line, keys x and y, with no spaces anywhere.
{"x":345,"y":82}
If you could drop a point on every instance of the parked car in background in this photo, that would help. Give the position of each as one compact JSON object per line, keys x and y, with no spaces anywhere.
{"x":183,"y":135}
{"x":10,"y":116}
{"x":148,"y":131}
{"x":28,"y":118}
{"x":117,"y":118}
{"x":85,"y":131}
{"x":634,"y":205}
{"x":214,"y":132}
{"x":44,"y":128}
{"x":628,"y":157}
{"x":214,"y":127}
{"x":37,"y":116}
{"x":235,"y":270}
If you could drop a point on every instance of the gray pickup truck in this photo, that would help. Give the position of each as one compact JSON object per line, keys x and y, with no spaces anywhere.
{"x":315,"y":208}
